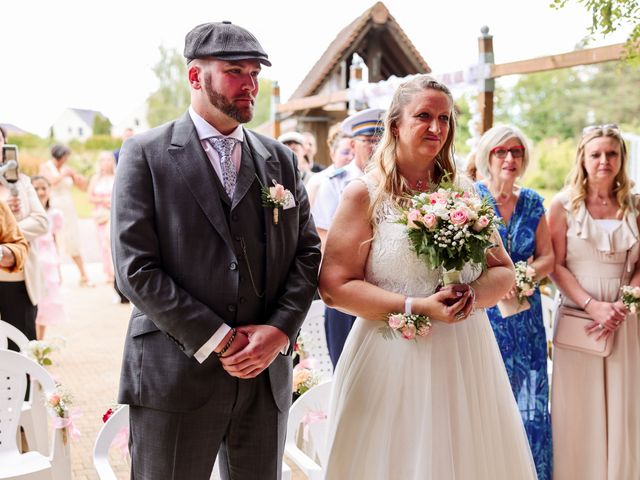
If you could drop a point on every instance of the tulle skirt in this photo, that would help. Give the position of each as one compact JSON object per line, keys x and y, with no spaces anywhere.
{"x":438,"y":408}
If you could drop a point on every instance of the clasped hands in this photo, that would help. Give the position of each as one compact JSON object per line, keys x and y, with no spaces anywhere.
{"x":450,"y":304}
{"x":253,"y":350}
{"x":609,"y":318}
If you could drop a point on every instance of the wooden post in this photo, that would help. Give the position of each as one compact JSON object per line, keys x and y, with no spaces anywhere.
{"x":486,"y":85}
{"x":275,"y":114}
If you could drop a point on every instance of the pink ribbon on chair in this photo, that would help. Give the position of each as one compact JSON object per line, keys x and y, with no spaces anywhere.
{"x":121,"y":442}
{"x":311,"y":417}
{"x":308,"y":363}
{"x":68,"y":423}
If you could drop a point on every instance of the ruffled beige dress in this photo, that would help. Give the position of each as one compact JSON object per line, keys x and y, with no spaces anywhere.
{"x":595,"y":402}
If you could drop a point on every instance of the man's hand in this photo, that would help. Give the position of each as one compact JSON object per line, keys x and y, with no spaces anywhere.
{"x":264,"y":344}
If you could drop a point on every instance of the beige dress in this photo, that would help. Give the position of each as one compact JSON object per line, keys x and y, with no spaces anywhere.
{"x":595,"y":402}
{"x":68,"y":239}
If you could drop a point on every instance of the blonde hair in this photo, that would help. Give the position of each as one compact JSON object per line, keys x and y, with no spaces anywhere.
{"x":578,"y":181}
{"x":384,"y":158}
{"x":495,"y":137}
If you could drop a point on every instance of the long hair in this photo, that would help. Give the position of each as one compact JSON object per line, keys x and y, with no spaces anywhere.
{"x":385,"y":156}
{"x":578,"y":181}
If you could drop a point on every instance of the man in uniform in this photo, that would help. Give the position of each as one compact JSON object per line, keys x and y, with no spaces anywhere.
{"x":365,"y":128}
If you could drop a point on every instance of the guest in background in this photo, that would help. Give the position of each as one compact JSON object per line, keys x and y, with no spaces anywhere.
{"x":366,"y":128}
{"x":63,"y":178}
{"x":310,"y":151}
{"x":295,"y":142}
{"x":502,"y":156}
{"x":51,"y":306}
{"x":595,"y":402}
{"x":21,"y":290}
{"x":341,"y":153}
{"x":100,"y":188}
{"x":128,"y":132}
{"x":13,"y":247}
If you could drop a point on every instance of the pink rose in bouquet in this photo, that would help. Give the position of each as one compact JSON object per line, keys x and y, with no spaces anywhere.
{"x":396,"y":321}
{"x":459,"y":217}
{"x":480,"y":224}
{"x":430,"y":220}
{"x":412,"y":217}
{"x":409,"y":331}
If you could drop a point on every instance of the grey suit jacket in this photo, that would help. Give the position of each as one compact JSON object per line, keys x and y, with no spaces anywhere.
{"x":174,"y":260}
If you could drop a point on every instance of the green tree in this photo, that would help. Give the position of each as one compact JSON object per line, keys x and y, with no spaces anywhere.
{"x":101,"y":125}
{"x":607,"y":16}
{"x":262,"y":110}
{"x":172,"y":97}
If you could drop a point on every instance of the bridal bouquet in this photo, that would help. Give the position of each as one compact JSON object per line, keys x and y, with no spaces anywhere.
{"x":631,"y":297}
{"x":449,"y":228}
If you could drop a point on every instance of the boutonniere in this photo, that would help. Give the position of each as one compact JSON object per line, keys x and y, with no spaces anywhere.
{"x":276,"y":197}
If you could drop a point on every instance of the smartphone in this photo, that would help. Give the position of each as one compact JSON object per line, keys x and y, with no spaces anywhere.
{"x":10,"y":152}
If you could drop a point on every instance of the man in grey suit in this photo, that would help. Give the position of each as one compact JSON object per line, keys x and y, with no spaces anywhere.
{"x":220,"y":288}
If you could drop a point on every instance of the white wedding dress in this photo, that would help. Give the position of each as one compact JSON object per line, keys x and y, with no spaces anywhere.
{"x":438,"y":408}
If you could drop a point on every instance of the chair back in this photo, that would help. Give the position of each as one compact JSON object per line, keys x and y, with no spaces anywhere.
{"x":307,"y":415}
{"x":111,"y":428}
{"x":14,"y":369}
{"x":315,"y":338}
{"x":9,"y":332}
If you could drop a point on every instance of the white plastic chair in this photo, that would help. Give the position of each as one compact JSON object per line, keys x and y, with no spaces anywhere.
{"x":33,"y":419}
{"x":314,"y":334}
{"x":116,"y":422}
{"x":309,"y":412}
{"x":31,"y":465}
{"x":548,"y":313}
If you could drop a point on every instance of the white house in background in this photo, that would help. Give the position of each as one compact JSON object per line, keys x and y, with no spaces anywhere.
{"x":74,"y":124}
{"x":136,"y":120}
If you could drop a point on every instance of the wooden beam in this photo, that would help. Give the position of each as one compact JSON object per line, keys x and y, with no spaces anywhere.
{"x":314,"y":101}
{"x":587,"y":56}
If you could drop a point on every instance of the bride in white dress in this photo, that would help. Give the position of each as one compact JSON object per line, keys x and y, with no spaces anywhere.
{"x":439,"y":407}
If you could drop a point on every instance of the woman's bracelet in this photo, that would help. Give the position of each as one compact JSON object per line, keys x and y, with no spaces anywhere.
{"x":586,"y":302}
{"x":408,"y":302}
{"x":228,"y":344}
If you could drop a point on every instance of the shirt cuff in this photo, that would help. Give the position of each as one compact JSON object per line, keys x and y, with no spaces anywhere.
{"x":207,"y":349}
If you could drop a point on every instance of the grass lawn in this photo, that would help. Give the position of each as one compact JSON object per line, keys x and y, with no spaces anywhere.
{"x":81,"y":201}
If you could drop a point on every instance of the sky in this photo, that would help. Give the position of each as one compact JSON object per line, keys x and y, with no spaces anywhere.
{"x":99,"y":55}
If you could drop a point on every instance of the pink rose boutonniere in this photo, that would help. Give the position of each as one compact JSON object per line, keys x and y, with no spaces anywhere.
{"x":276,"y":197}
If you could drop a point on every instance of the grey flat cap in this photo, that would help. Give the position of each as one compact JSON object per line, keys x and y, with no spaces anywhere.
{"x":225,"y":41}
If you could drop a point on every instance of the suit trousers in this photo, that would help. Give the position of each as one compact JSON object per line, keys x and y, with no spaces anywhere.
{"x":245,"y":428}
{"x":337,"y":326}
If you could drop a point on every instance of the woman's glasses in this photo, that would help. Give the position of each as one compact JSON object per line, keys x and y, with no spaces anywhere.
{"x":501,"y":152}
{"x":593,"y":128}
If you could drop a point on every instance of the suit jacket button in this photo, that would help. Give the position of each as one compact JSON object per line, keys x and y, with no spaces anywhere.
{"x":242,"y":300}
{"x":233,"y":266}
{"x":234,"y":217}
{"x":231,"y":307}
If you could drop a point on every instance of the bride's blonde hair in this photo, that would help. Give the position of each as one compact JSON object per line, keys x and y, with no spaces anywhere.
{"x":392,"y":184}
{"x":578,"y":181}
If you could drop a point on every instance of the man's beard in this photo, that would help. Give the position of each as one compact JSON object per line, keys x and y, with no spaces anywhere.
{"x":226,"y":106}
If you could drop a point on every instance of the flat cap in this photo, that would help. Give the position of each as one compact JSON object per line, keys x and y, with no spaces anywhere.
{"x":365,"y":122}
{"x":294,"y":137}
{"x":224,"y":41}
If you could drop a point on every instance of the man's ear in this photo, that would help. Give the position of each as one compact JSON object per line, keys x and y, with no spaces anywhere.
{"x":195,"y":76}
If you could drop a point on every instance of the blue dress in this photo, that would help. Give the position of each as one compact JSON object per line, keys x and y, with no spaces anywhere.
{"x":521,"y":337}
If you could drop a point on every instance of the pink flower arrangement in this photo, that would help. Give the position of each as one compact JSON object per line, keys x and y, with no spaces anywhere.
{"x":408,"y":326}
{"x":276,"y":197}
{"x":525,"y":283}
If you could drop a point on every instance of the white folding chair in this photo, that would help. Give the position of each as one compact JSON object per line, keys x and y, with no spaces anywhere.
{"x":14,"y":368}
{"x":548,"y":313}
{"x":33,"y":419}
{"x":308,"y":413}
{"x":112,"y":427}
{"x":316,"y":340}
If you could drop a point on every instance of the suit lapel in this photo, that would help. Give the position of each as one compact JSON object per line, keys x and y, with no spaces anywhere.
{"x":246,"y":175}
{"x":198,"y":173}
{"x":267,"y":169}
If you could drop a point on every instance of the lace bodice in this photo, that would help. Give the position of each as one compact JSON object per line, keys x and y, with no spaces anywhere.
{"x":392,"y":264}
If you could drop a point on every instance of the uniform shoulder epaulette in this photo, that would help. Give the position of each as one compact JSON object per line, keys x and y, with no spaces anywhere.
{"x":338,"y":173}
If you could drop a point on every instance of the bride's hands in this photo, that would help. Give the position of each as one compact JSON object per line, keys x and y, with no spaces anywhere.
{"x":450,"y":304}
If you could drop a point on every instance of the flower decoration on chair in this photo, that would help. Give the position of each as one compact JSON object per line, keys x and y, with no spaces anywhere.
{"x":276,"y":197}
{"x":300,"y":347}
{"x":305,"y":376}
{"x":525,"y":283}
{"x":39,"y":350}
{"x":121,"y":440}
{"x":59,"y":403}
{"x":631,"y":298}
{"x":450,"y":227}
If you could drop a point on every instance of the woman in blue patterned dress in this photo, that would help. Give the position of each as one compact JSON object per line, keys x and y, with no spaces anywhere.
{"x":501,"y":157}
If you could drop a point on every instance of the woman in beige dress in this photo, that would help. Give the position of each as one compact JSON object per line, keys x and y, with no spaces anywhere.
{"x":62,"y":179}
{"x":595,"y":404}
